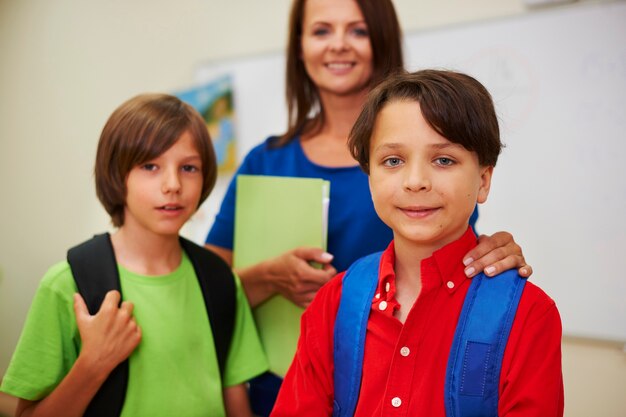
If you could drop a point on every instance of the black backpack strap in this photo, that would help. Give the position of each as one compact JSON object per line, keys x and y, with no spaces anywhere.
{"x":94,"y":269}
{"x":218,"y":289}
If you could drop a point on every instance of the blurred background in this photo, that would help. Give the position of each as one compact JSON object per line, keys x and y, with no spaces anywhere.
{"x":66,"y":64}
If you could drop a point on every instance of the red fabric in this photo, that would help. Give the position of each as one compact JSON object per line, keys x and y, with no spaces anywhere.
{"x":531,"y":382}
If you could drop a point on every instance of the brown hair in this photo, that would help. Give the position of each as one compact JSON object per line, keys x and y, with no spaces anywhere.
{"x":139,"y":130}
{"x":456,"y":105}
{"x":302,"y":94}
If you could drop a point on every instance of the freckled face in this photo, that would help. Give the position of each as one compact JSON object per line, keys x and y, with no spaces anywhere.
{"x":163,"y":193}
{"x":423,"y":186}
{"x":336,"y":47}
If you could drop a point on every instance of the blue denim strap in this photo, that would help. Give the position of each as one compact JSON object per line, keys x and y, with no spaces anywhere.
{"x":358,"y":286}
{"x":482,"y":332}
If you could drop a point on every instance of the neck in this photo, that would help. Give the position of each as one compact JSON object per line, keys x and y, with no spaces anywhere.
{"x":327,"y":147}
{"x":408,"y":273}
{"x":408,"y":262}
{"x":146,"y":253}
{"x":340,"y":113}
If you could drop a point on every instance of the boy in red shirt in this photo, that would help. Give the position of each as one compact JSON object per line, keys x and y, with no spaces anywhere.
{"x":429,"y":141}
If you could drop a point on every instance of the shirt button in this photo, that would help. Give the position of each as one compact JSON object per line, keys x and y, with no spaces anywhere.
{"x":382,"y":306}
{"x":405,"y":351}
{"x":450,"y":284}
{"x":396,"y":402}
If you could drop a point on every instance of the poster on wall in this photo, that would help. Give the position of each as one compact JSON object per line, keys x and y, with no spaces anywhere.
{"x":214,"y":101}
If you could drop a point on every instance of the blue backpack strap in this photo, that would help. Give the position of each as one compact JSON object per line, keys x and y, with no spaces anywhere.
{"x":358,"y":286}
{"x":482,"y":332}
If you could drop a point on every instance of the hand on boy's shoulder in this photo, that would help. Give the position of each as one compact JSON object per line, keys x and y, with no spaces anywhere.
{"x":495,"y":254}
{"x":109,"y":336}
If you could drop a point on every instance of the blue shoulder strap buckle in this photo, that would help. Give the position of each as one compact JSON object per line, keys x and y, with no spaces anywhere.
{"x":482,"y":332}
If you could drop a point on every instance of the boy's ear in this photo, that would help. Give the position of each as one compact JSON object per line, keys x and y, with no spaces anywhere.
{"x":485,"y":184}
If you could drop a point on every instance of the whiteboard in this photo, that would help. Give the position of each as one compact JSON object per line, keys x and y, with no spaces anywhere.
{"x":558,"y":78}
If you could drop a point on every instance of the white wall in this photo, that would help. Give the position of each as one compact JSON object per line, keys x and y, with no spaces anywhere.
{"x":66,"y":64}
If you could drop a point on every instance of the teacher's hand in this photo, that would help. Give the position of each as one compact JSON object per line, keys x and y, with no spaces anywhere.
{"x":296,"y":276}
{"x":495,"y":254}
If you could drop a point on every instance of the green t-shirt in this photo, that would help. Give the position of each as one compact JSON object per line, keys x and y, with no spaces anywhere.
{"x":174,"y":369}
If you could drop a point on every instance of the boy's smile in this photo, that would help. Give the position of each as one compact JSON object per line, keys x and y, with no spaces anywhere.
{"x":163,"y":193}
{"x":419,"y":211}
{"x":423,"y":186}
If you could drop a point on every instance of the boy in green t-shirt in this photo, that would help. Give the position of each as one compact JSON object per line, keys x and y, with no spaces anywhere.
{"x":155,"y":165}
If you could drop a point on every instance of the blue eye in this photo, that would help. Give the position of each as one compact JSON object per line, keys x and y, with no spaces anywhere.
{"x":392,"y":162}
{"x":443,"y":161}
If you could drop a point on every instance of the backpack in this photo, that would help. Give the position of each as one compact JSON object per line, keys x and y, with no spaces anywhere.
{"x":475,"y":360}
{"x":94,"y":269}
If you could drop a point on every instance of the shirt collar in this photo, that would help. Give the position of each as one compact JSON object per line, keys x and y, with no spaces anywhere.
{"x":448,"y":260}
{"x":444,"y":267}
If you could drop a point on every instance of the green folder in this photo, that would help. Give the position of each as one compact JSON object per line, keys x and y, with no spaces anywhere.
{"x":274,"y":215}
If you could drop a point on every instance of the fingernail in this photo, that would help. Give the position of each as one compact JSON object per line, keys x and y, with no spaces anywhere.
{"x":470,"y":271}
{"x":326,"y":257}
{"x":524,"y":271}
{"x":490,"y":270}
{"x":468,"y":261}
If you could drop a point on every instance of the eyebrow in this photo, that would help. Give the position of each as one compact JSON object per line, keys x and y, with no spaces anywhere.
{"x":330,"y":23}
{"x":394,"y":146}
{"x":391,"y":146}
{"x":446,"y":145}
{"x":188,"y":158}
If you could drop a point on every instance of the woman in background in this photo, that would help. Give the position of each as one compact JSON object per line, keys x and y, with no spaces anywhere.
{"x":337,"y":50}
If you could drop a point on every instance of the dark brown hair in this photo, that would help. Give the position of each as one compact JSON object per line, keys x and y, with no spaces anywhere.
{"x":302,"y":94}
{"x":139,"y":130}
{"x":455,"y":105}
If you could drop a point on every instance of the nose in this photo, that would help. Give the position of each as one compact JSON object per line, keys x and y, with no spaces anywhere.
{"x":339,"y":42}
{"x":417,"y":178}
{"x":171,"y":181}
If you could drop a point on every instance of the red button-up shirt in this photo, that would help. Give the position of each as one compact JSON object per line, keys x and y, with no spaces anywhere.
{"x":404,"y":365}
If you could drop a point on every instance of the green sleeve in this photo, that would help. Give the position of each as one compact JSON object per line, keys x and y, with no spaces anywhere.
{"x":246,"y":358}
{"x":49,"y":343}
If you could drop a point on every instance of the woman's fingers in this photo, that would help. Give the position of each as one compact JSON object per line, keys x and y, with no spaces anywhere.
{"x":495,"y":254}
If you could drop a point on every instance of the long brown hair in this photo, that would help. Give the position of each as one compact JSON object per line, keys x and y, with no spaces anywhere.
{"x":139,"y":130}
{"x":302,"y":94}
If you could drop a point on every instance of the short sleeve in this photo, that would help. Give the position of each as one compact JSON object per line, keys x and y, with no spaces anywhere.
{"x":49,"y":343}
{"x":223,"y":228}
{"x":246,"y":358}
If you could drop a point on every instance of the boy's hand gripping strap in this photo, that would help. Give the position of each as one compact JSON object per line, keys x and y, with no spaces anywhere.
{"x":358,"y":286}
{"x":95,"y":272}
{"x":94,"y":269}
{"x":482,"y":332}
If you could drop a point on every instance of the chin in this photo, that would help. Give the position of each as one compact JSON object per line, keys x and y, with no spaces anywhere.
{"x":346,"y":89}
{"x":168,"y":231}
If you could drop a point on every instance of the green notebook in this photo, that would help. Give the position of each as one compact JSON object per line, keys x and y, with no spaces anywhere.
{"x":274,"y":215}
